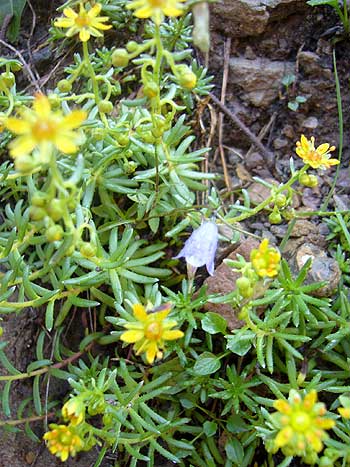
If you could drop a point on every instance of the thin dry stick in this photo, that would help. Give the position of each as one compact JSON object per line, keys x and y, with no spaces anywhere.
{"x":265,"y":152}
{"x":29,"y":45}
{"x":30,"y":74}
{"x":227,"y":49}
{"x":263,"y":132}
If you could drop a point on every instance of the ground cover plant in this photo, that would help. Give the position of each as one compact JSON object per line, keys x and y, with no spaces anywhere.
{"x":106,"y":218}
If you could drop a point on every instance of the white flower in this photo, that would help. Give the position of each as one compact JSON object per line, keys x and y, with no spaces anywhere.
{"x":200,"y":247}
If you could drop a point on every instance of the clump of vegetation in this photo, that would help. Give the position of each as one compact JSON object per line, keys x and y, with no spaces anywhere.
{"x":98,"y":195}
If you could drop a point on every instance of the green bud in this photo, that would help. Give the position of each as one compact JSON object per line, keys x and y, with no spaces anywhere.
{"x":129,"y":167}
{"x":275,"y":217}
{"x":243,"y":283}
{"x":289,"y":214}
{"x":246,"y":293}
{"x":147,"y":137}
{"x":25,"y":164}
{"x":308,"y":180}
{"x":54,"y":99}
{"x":325,"y":462}
{"x":151,"y":89}
{"x":1,"y":331}
{"x":36,"y":213}
{"x":105,"y":106}
{"x":87,"y":250}
{"x":159,"y":125}
{"x":15,"y":66}
{"x":187,"y":79}
{"x":281,"y":200}
{"x":120,"y":57}
{"x":54,"y":233}
{"x":98,"y":134}
{"x":8,"y":79}
{"x":64,"y":85}
{"x":55,"y":209}
{"x":122,"y":139}
{"x":132,"y":46}
{"x":39,"y":199}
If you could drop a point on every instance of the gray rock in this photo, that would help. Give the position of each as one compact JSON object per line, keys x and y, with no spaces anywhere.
{"x":311,"y":123}
{"x":260,"y":79}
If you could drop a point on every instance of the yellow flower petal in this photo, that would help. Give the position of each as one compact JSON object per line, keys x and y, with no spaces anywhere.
{"x":84,"y":35}
{"x":283,"y":437}
{"x":282,"y":406}
{"x":74,"y":119}
{"x":132,"y":336}
{"x":70,"y":13}
{"x":21,"y":146}
{"x":17,"y":126}
{"x":172,"y":335}
{"x":151,"y":352}
{"x":66,"y":145}
{"x":344,"y":412}
{"x":322,"y":149}
{"x":95,"y":10}
{"x":41,"y":105}
{"x":139,"y":312}
{"x":63,"y":23}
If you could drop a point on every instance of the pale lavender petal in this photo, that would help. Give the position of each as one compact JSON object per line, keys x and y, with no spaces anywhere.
{"x":200,"y":247}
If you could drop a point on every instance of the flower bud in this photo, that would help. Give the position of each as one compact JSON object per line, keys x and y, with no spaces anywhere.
{"x":243,"y":283}
{"x":39,"y":199}
{"x":105,"y":106}
{"x":132,"y":46}
{"x":98,"y":134}
{"x":64,"y":85}
{"x":36,"y":213}
{"x":151,"y":89}
{"x":308,"y":180}
{"x":120,"y":57}
{"x":55,"y":209}
{"x":54,"y":233}
{"x":122,"y":139}
{"x":87,"y":250}
{"x":187,"y":79}
{"x":147,"y":137}
{"x":275,"y":217}
{"x":8,"y":79}
{"x":289,"y":214}
{"x":281,"y":200}
{"x":54,"y":99}
{"x":129,"y":167}
{"x":15,"y":66}
{"x":159,"y":126}
{"x":25,"y":163}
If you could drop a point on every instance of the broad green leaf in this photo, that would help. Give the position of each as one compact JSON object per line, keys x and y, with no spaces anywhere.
{"x":213,"y":323}
{"x":206,"y":364}
{"x":12,"y":8}
{"x":241,"y":342}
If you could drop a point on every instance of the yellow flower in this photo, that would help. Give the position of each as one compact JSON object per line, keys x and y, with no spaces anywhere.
{"x":74,"y":411}
{"x":150,"y":331}
{"x":302,"y":424}
{"x":317,"y":158}
{"x":42,"y":128}
{"x":265,"y":260}
{"x":63,"y":441}
{"x":156,"y":9}
{"x":86,"y":23}
{"x":345,"y":410}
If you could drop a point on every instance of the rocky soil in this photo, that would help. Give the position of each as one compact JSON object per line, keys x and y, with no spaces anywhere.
{"x":269,"y":39}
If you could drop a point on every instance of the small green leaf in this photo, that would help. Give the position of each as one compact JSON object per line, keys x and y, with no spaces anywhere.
{"x":241,"y":342}
{"x":210,"y":428}
{"x":206,"y":364}
{"x":213,"y":323}
{"x":234,"y":451}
